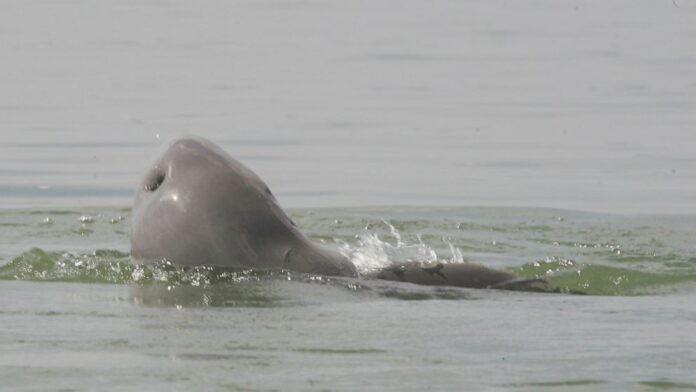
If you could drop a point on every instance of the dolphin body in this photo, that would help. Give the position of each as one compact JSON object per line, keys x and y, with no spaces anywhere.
{"x":196,"y":205}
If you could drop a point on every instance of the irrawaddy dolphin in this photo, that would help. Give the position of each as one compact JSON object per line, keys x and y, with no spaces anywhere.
{"x":196,"y":205}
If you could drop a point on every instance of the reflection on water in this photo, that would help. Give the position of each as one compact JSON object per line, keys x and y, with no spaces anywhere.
{"x":283,"y":293}
{"x":220,"y":295}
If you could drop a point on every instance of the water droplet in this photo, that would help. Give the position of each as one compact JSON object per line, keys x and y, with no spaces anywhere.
{"x":86,"y":219}
{"x":117,"y":219}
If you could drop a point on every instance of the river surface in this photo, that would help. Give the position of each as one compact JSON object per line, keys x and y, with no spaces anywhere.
{"x":549,"y":138}
{"x":77,"y":315}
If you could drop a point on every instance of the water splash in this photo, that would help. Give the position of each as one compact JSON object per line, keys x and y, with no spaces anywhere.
{"x":370,"y":253}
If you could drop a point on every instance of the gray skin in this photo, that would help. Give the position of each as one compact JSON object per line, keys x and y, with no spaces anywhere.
{"x":197,"y":205}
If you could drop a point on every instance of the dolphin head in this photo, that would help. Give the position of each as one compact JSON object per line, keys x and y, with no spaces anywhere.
{"x":196,"y":205}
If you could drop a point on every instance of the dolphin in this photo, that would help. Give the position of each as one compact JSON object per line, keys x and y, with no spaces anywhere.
{"x":196,"y":205}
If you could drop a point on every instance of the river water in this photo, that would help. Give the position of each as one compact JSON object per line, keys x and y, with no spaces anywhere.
{"x":548,"y":138}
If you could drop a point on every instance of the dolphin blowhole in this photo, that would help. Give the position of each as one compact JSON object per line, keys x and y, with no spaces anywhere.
{"x":154,"y":179}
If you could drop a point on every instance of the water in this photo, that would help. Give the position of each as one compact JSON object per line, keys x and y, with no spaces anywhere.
{"x":548,"y":104}
{"x":77,"y":315}
{"x":548,"y":138}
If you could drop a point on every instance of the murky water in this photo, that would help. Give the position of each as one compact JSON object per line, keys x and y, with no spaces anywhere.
{"x":76,"y":314}
{"x":576,"y":106}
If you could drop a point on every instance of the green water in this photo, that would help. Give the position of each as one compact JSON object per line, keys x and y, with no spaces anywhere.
{"x":576,"y":252}
{"x":77,"y":315}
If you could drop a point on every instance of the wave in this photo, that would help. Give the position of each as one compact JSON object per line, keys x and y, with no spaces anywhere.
{"x":115,"y":267}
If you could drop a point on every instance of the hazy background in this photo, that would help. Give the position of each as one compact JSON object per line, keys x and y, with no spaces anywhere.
{"x":575,"y":104}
